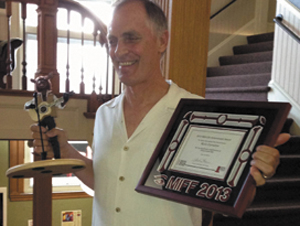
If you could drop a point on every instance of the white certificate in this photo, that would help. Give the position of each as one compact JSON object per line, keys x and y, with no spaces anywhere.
{"x":207,"y":151}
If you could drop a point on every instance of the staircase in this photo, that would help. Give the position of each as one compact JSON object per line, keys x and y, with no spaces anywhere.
{"x":245,"y":76}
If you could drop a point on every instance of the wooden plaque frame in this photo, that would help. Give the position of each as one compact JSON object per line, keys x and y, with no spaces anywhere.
{"x":199,"y":131}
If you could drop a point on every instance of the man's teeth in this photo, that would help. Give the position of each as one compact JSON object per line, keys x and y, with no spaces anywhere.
{"x":126,"y":63}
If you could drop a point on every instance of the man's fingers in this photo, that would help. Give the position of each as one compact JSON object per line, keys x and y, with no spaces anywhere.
{"x":267,"y":154}
{"x":40,"y":141}
{"x":36,"y":128}
{"x":265,"y":161}
{"x":282,"y":138}
{"x":41,"y":137}
{"x":256,"y":174}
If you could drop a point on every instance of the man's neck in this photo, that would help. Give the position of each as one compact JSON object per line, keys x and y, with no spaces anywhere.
{"x":139,"y":101}
{"x":145,"y":94}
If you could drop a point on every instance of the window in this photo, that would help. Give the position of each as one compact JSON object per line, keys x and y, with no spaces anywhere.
{"x":83,"y":59}
{"x":94,"y":67}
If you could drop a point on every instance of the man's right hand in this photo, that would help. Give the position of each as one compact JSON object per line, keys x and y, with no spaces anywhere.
{"x":46,"y":135}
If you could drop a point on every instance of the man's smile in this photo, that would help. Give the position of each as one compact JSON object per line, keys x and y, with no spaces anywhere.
{"x":127,"y":63}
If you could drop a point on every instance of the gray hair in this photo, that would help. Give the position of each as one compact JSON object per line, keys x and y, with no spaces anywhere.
{"x":154,"y":12}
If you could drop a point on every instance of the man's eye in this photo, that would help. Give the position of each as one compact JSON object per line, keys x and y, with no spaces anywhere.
{"x":132,"y":39}
{"x":112,"y":42}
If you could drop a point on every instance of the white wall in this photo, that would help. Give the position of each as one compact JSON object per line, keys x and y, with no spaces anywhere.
{"x":233,"y":25}
{"x":285,"y":80}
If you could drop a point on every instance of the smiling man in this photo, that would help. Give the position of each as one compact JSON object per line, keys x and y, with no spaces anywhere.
{"x":128,"y":128}
{"x":135,"y":47}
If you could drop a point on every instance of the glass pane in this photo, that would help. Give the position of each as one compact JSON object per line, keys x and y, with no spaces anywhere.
{"x":102,"y":9}
{"x":92,"y":60}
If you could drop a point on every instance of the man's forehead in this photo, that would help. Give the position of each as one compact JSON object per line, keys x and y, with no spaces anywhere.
{"x":134,"y":4}
{"x":128,"y":25}
{"x":132,"y":9}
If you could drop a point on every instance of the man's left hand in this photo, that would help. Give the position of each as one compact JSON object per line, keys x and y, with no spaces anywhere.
{"x":265,"y":160}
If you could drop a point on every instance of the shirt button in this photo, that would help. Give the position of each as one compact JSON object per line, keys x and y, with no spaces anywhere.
{"x":126,"y":148}
{"x":121,"y":178}
{"x":118,"y":210}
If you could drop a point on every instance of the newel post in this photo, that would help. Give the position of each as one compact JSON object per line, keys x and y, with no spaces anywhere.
{"x":47,"y":41}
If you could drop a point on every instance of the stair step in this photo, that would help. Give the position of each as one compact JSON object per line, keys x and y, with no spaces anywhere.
{"x":238,"y":80}
{"x":278,"y":191}
{"x":290,"y":147}
{"x":246,"y":58}
{"x":289,"y":166}
{"x":278,"y":215}
{"x":239,"y":69}
{"x":253,"y":48}
{"x":268,"y":209}
{"x":284,"y":178}
{"x":238,"y":89}
{"x":287,"y":125}
{"x":258,"y":93}
{"x":245,"y":76}
{"x":260,"y":38}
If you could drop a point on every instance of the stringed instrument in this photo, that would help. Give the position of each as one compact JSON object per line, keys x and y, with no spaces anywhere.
{"x":44,"y":109}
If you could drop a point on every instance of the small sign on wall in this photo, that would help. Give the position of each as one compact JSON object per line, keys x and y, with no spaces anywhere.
{"x":3,"y":206}
{"x":71,"y":218}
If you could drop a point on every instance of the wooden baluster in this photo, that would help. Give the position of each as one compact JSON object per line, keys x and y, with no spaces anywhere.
{"x":113,"y":84}
{"x":120,"y":88}
{"x":9,"y":60}
{"x":95,"y":45}
{"x":24,"y":63}
{"x":107,"y":74}
{"x":120,"y":83}
{"x":101,"y":87}
{"x":82,"y":86}
{"x":101,"y":97}
{"x":68,"y":55}
{"x":93,"y":102}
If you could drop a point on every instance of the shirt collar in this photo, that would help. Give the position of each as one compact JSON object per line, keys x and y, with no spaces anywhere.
{"x":171,"y":92}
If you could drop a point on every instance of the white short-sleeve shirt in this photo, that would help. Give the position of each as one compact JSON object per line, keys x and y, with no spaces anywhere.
{"x":119,"y":162}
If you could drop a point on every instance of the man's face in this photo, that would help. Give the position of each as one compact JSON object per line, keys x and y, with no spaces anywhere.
{"x":134,"y":47}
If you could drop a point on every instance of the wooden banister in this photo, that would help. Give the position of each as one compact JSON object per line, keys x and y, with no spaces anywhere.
{"x":47,"y":37}
{"x":47,"y":63}
{"x":86,"y":13}
{"x":278,"y":20}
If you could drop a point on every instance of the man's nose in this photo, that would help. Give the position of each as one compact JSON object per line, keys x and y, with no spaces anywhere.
{"x":121,"y":49}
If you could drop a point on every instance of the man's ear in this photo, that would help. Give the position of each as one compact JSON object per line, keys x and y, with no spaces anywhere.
{"x":164,"y":41}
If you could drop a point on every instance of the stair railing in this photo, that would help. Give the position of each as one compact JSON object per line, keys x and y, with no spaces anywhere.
{"x":278,"y":20}
{"x":222,"y":9}
{"x":47,"y":51}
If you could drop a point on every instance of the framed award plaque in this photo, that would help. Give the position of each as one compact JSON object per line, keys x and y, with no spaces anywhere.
{"x":203,"y":158}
